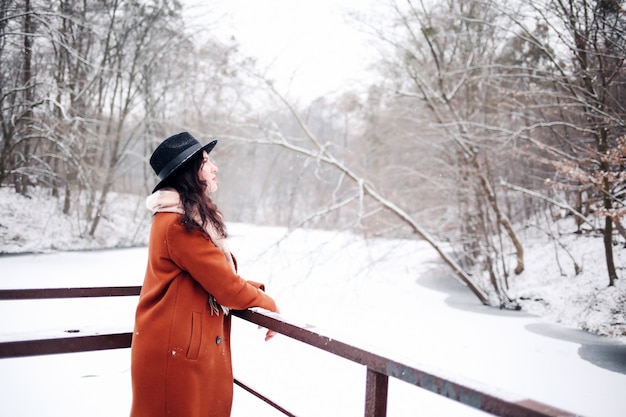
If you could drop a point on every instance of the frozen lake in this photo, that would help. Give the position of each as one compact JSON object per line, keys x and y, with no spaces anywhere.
{"x":411,"y":311}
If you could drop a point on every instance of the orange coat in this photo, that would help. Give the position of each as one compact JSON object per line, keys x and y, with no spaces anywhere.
{"x":180,"y":355}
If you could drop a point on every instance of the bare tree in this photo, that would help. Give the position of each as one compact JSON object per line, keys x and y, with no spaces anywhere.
{"x":445,"y":59}
{"x":18,"y":98}
{"x":587,"y":80}
{"x":360,"y":190}
{"x":86,"y":87}
{"x":137,"y":36}
{"x":500,"y":83}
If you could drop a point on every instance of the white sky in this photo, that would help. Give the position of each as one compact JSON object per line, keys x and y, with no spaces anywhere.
{"x":307,"y":47}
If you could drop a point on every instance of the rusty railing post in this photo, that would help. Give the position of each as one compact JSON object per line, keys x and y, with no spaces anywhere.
{"x":376,"y":394}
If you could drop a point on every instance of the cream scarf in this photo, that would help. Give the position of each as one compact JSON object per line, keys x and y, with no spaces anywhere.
{"x":167,"y":200}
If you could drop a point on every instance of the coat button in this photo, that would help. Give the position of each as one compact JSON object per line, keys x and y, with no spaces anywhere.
{"x":218,"y":340}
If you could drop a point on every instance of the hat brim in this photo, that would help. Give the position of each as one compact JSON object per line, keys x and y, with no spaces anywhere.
{"x":207,"y":148}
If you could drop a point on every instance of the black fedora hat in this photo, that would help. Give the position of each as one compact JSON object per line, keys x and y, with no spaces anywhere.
{"x":173,"y":153}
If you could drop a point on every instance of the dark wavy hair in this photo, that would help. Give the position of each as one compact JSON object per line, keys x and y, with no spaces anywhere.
{"x":194,"y":199}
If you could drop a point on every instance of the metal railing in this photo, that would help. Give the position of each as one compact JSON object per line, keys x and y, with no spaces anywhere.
{"x":379,"y":368}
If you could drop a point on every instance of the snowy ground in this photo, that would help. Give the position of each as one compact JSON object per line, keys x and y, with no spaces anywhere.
{"x":392,"y":296}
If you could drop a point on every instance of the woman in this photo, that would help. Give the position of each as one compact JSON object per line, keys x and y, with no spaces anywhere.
{"x":180,"y":356}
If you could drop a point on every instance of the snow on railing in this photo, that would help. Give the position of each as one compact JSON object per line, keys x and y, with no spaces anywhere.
{"x":379,"y":368}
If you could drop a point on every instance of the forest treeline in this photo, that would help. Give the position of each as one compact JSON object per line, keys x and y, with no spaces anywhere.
{"x":489,"y":119}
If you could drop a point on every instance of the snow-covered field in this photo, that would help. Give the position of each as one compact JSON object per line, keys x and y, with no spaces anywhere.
{"x":391,"y":296}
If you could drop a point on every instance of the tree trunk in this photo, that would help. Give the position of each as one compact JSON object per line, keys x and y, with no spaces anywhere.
{"x":28,"y":91}
{"x":608,"y":234}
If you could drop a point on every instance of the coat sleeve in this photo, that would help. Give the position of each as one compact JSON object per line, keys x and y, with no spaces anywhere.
{"x":207,"y":265}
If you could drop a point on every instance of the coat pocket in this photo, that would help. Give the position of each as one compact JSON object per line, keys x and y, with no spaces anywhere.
{"x":196,"y":335}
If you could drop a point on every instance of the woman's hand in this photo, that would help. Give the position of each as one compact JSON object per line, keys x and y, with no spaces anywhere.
{"x":271,"y":333}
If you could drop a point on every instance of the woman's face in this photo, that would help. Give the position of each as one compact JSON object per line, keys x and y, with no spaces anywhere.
{"x":207,"y":173}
